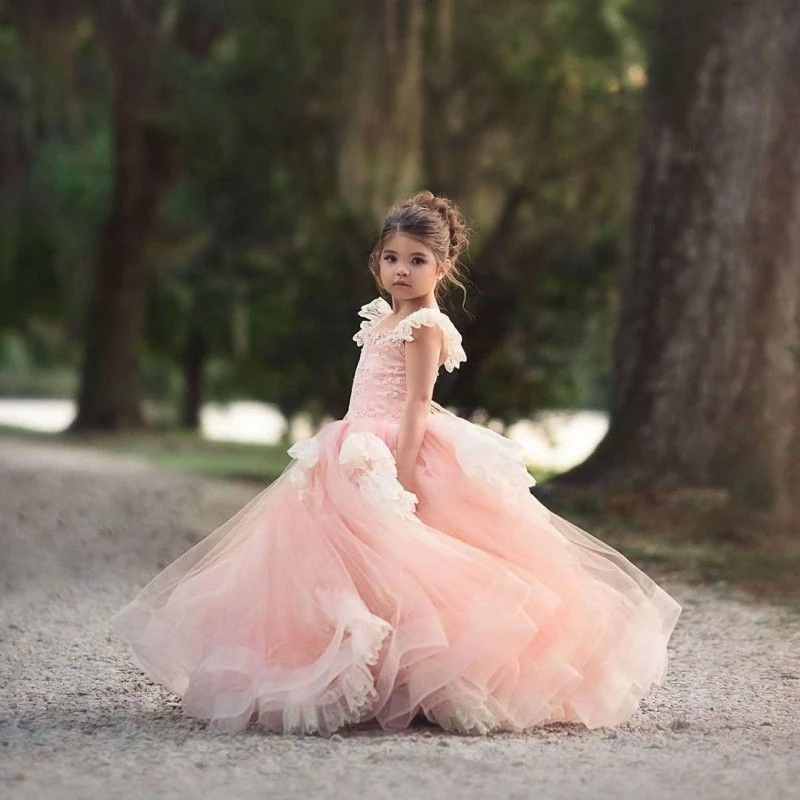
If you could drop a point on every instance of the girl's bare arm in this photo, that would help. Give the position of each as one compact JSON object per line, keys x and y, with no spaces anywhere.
{"x":422,"y":365}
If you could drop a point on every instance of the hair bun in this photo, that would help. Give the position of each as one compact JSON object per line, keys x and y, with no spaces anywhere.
{"x":450,"y":213}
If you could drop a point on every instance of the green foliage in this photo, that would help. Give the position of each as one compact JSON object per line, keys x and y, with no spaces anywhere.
{"x":530,"y":123}
{"x":55,"y":198}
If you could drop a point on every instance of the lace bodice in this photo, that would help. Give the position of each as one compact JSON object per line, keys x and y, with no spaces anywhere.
{"x":379,"y":383}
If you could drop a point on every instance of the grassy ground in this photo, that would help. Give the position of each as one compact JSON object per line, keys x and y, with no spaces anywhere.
{"x":699,"y":534}
{"x":693,"y":533}
{"x":181,"y":450}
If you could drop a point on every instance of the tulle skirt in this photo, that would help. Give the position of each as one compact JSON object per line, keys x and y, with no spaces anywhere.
{"x":336,"y":597}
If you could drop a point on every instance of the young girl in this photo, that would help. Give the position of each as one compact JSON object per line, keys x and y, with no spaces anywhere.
{"x":400,"y":564}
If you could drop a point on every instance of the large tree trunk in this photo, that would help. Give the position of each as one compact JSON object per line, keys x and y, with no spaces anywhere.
{"x":110,"y":392}
{"x":707,"y":360}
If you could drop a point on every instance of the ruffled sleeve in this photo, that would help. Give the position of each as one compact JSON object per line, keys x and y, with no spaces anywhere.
{"x":453,"y":350}
{"x":373,"y":311}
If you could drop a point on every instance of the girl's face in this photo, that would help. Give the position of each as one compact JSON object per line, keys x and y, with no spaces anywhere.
{"x":408,"y":267}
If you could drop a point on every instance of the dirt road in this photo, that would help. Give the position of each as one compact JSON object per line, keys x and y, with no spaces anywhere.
{"x":82,"y":531}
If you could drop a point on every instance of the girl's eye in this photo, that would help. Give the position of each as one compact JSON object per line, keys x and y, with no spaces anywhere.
{"x":416,"y":260}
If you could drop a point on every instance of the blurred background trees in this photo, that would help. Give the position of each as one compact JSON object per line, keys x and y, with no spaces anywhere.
{"x":189,"y":192}
{"x":198,"y":185}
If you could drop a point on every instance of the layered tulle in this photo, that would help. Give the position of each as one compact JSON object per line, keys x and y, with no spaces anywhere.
{"x":336,"y":596}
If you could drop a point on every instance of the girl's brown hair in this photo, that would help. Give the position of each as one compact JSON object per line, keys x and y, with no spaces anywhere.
{"x":435,"y":221}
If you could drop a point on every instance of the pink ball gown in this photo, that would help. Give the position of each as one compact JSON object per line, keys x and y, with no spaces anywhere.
{"x":336,"y":596}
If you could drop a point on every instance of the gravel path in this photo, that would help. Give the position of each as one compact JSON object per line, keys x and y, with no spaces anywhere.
{"x":82,"y":531}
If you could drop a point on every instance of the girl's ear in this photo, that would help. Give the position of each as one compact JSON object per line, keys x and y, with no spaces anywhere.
{"x":444,"y":267}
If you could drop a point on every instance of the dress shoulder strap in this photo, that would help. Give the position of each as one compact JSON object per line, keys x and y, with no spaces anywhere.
{"x":372,"y":312}
{"x":453,"y":349}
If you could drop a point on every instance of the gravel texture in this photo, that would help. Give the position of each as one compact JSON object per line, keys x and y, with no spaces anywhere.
{"x":82,"y":531}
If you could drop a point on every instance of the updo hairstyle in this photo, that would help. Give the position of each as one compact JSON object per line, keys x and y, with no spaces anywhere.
{"x":438,"y":223}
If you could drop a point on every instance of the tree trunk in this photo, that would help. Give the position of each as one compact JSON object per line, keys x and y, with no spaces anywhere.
{"x":110,"y":390}
{"x":194,"y":356}
{"x":707,"y":355}
{"x":144,"y":170}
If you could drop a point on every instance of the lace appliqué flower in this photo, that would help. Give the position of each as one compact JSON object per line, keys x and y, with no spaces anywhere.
{"x":369,"y":462}
{"x":495,"y":459}
{"x":306,"y":453}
